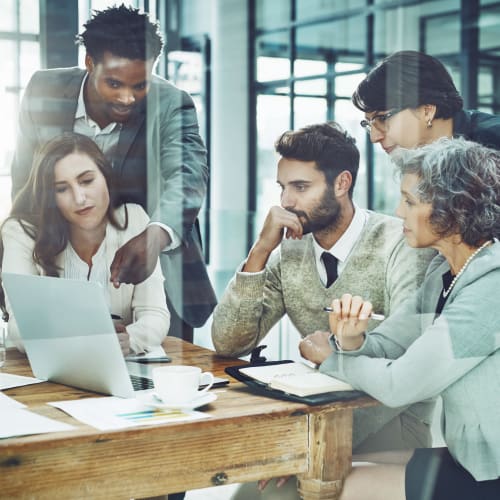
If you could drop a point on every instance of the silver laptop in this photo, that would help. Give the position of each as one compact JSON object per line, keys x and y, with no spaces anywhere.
{"x":69,"y":335}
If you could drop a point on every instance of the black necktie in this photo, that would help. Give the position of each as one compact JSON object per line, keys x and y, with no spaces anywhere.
{"x":331,"y":267}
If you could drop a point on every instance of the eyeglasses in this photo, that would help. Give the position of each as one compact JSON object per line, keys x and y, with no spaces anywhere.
{"x":380,"y":121}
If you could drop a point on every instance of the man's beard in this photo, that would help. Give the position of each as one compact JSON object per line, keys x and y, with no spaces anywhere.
{"x":325,"y":216}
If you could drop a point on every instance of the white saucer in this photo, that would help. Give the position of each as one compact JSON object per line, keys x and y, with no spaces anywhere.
{"x":152,"y":399}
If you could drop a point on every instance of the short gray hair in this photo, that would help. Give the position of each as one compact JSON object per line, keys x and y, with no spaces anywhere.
{"x":461,"y":179}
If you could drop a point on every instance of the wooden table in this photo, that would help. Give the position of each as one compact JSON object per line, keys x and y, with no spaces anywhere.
{"x":249,"y":437}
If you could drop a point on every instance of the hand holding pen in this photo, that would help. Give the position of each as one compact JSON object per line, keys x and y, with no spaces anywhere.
{"x":348,"y":320}
{"x":375,"y":316}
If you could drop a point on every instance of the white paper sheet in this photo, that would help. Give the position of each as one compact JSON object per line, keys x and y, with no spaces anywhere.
{"x":21,"y":422}
{"x":8,"y":380}
{"x":6,"y":403}
{"x":112,"y":412}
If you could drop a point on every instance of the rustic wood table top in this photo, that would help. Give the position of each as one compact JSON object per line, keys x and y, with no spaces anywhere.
{"x":248,"y":437}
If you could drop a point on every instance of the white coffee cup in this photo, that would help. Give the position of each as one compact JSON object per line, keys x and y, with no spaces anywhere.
{"x":179,"y":384}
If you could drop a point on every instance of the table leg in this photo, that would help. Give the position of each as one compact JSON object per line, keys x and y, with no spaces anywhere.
{"x":330,"y":455}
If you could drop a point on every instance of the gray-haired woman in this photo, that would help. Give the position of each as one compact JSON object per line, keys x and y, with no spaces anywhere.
{"x":443,"y":341}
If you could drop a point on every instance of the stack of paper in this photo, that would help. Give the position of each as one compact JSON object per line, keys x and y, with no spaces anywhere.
{"x":117,"y":413}
{"x":15,"y":420}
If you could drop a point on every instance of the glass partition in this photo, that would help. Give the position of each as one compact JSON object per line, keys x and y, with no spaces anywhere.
{"x":269,"y":15}
{"x":273,"y":57}
{"x":273,"y":118}
{"x":307,"y":9}
{"x":330,"y":40}
{"x":20,"y":49}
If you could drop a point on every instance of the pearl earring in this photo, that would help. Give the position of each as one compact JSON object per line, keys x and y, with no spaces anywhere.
{"x":429,"y":123}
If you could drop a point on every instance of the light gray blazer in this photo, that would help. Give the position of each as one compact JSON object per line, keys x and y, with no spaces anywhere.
{"x":414,"y":355}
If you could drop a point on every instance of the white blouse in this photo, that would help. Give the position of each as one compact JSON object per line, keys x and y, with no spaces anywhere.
{"x":142,"y":306}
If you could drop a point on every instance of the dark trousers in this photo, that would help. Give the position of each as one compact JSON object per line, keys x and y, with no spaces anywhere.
{"x":433,"y":474}
{"x":178,"y":327}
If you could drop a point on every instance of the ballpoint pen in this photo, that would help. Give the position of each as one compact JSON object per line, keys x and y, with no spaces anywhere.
{"x":375,"y":316}
{"x":159,"y":359}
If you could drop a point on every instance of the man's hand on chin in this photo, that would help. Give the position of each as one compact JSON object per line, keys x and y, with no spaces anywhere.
{"x":279,"y":223}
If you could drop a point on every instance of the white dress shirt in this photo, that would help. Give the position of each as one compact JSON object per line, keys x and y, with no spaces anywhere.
{"x":77,"y":269}
{"x":106,"y":138}
{"x":342,"y":248}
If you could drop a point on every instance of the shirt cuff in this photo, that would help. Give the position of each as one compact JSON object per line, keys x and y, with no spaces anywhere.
{"x":175,"y":240}
{"x":335,"y":344}
{"x":239,"y":270}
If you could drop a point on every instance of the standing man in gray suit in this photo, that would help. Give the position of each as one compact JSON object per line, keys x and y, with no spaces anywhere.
{"x":148,"y":129}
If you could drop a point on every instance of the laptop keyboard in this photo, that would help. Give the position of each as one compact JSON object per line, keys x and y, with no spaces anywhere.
{"x":140,"y":383}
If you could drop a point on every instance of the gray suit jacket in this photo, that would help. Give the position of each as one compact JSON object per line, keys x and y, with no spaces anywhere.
{"x":160,"y":164}
{"x":455,"y":354}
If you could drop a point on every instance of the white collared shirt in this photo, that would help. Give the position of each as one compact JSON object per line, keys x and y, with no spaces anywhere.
{"x":77,"y":269}
{"x":342,"y":248}
{"x":106,"y":138}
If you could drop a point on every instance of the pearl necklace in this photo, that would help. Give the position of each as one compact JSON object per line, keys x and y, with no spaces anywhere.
{"x":467,"y":262}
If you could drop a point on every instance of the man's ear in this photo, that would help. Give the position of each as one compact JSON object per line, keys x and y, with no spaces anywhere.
{"x":343,"y":183}
{"x":89,"y":63}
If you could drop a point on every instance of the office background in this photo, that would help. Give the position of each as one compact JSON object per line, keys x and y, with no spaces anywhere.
{"x":256,"y":68}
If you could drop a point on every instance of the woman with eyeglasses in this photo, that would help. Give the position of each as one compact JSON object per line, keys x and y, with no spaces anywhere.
{"x":409,"y":99}
{"x":444,"y":341}
{"x":64,"y":223}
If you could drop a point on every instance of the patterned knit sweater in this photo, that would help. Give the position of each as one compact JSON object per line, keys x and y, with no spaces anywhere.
{"x":381,"y":268}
